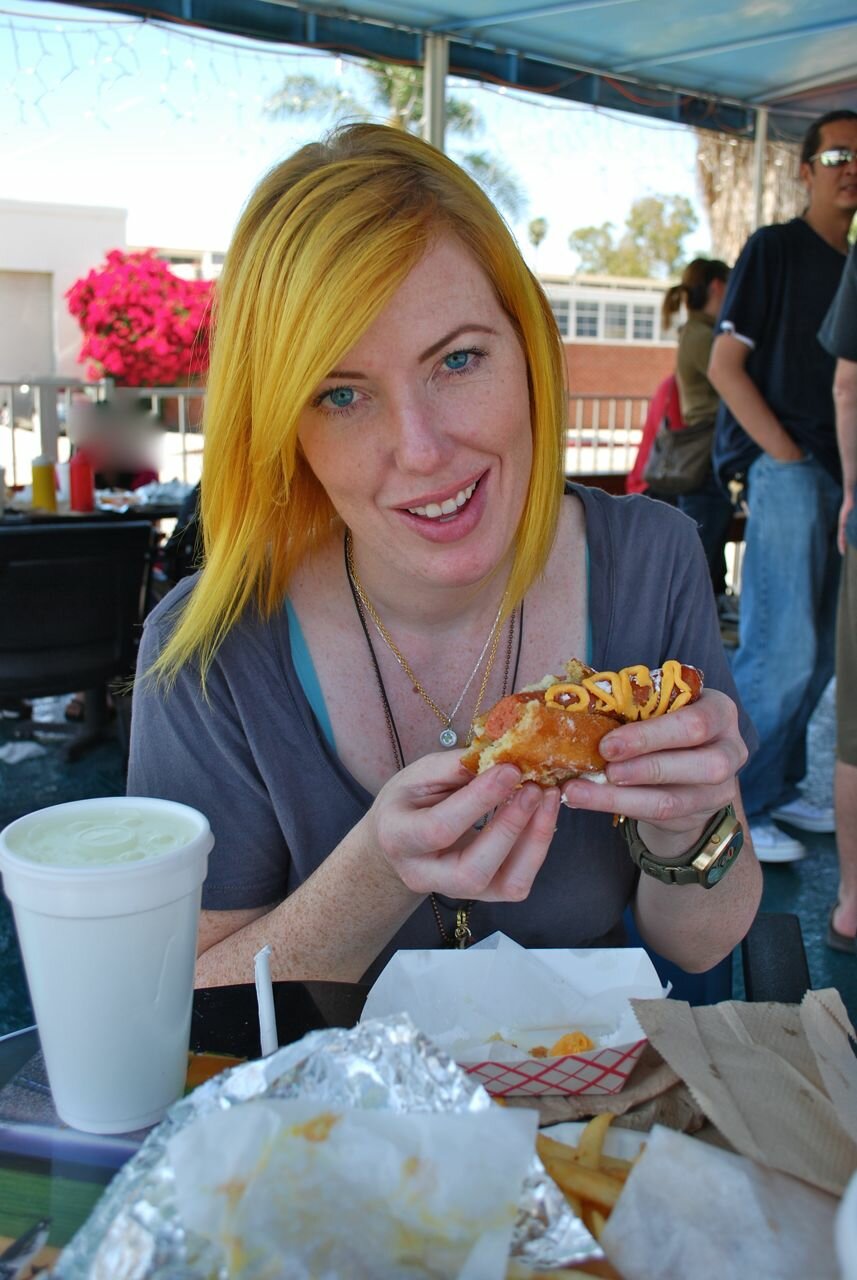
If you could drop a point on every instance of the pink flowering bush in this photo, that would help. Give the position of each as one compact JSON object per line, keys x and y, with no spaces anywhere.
{"x":142,"y":325}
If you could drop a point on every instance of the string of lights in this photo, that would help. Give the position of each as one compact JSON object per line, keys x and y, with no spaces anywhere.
{"x":47,"y":52}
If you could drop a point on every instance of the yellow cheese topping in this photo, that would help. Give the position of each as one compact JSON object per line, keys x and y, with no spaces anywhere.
{"x":614,"y":691}
{"x":571,"y":1042}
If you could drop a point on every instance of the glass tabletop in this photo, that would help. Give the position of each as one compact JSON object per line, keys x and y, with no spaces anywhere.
{"x":52,"y":1173}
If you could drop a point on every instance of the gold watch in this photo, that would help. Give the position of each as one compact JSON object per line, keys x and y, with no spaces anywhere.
{"x":705,"y":863}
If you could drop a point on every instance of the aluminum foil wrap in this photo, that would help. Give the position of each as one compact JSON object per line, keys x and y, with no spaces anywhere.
{"x":135,"y":1232}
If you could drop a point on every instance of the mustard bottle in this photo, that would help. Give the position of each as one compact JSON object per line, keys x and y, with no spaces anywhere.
{"x":44,"y":484}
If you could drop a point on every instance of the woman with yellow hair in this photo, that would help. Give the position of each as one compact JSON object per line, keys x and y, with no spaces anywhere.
{"x":388,"y":549}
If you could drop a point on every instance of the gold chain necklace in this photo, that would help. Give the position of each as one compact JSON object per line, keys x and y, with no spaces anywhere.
{"x":448,"y":737}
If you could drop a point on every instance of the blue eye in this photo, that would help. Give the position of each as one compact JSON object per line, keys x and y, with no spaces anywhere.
{"x":457,"y":359}
{"x":341,"y":397}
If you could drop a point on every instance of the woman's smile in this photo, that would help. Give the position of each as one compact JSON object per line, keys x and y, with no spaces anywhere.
{"x":452,"y":517}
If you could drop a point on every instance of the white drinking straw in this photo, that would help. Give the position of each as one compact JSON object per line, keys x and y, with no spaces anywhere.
{"x":265,"y":1000}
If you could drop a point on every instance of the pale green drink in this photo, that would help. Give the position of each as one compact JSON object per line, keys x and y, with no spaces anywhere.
{"x":104,"y":837}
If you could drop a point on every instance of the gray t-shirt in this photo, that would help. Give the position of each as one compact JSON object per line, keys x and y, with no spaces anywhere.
{"x":838,"y":335}
{"x":254,"y":760}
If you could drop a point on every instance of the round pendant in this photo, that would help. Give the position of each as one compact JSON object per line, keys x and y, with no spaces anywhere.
{"x":448,"y":736}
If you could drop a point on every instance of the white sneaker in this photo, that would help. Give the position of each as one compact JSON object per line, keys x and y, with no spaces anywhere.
{"x":804,"y":815}
{"x":773,"y":845}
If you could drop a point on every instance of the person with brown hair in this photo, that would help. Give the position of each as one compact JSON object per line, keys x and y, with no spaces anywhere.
{"x":388,"y":549}
{"x":700,"y":291}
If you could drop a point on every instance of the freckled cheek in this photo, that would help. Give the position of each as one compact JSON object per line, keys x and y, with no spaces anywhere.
{"x":336,"y":465}
{"x":492,"y":414}
{"x":357,"y":472}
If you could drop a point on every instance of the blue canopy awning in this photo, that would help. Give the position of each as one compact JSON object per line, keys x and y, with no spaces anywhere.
{"x":709,"y":63}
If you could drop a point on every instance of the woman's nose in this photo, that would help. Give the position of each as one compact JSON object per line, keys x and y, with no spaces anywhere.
{"x":422,"y":443}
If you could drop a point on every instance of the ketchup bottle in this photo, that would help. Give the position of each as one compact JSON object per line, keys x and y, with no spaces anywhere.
{"x":81,"y":483}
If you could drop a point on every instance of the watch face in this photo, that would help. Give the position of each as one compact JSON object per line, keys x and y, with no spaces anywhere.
{"x":718,"y":870}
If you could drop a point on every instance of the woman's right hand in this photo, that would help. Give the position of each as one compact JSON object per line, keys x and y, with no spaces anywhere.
{"x":424,"y":819}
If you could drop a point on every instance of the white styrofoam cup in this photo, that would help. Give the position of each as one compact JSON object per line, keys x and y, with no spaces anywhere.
{"x":109,"y":953}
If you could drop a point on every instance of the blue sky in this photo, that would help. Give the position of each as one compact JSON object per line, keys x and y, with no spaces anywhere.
{"x":99,"y":109}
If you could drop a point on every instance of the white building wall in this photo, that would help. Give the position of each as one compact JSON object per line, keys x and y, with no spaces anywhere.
{"x":609,"y":309}
{"x":62,"y":242}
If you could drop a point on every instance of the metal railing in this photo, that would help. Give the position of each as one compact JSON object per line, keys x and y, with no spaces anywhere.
{"x":35,"y":413}
{"x":604,"y":433}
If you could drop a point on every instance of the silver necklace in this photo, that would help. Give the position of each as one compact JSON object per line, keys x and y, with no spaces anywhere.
{"x":447,"y":736}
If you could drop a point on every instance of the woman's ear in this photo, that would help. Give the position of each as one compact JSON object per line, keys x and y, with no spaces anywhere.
{"x":713,"y":301}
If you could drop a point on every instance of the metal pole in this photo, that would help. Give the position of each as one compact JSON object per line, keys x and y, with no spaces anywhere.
{"x":183,"y":433}
{"x":759,"y":149}
{"x":436,"y":66}
{"x":46,"y":418}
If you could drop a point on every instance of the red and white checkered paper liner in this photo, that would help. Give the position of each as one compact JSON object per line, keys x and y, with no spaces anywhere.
{"x":601,"y":1071}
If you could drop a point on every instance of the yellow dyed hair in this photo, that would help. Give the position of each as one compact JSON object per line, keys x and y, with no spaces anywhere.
{"x":324,"y":241}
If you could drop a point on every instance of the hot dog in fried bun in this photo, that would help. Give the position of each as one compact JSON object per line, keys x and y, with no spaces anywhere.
{"x":551,"y":730}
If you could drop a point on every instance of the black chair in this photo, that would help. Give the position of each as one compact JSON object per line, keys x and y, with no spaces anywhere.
{"x":72,"y":597}
{"x":774,"y":959}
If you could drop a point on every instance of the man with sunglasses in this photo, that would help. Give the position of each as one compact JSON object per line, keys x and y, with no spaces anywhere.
{"x":775,"y":431}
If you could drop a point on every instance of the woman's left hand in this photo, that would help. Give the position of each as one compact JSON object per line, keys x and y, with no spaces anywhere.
{"x":671,"y":772}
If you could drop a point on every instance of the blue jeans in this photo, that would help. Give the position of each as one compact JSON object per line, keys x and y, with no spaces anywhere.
{"x":788,"y":607}
{"x":710,"y":507}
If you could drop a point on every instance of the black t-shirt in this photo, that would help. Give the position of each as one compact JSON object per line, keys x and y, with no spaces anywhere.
{"x":777,"y":297}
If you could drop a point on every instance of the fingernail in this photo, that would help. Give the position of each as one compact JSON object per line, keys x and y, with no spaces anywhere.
{"x":551,"y":801}
{"x":531,"y":798}
{"x":619,"y":773}
{"x":572,"y":794}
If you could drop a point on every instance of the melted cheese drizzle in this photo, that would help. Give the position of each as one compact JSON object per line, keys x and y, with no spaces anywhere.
{"x":614,"y":691}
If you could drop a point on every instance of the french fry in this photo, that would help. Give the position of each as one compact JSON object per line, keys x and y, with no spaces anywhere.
{"x":615,"y":1165}
{"x":589,"y":1184}
{"x":592,"y":1140}
{"x":594,"y":1220}
{"x":575,"y":1202}
{"x":590,"y":1181}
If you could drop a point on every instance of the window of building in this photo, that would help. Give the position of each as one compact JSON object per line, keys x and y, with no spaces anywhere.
{"x":586,"y":319}
{"x":615,"y":320}
{"x":561,"y":308}
{"x":644,"y":324}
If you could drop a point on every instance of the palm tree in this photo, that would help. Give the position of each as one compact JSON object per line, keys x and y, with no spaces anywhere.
{"x":396,"y":93}
{"x":536,"y":231}
{"x":724,"y":166}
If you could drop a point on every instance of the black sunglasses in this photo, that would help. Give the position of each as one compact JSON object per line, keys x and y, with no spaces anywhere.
{"x":834,"y":157}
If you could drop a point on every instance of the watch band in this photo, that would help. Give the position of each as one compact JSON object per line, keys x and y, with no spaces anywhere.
{"x":724,"y":835}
